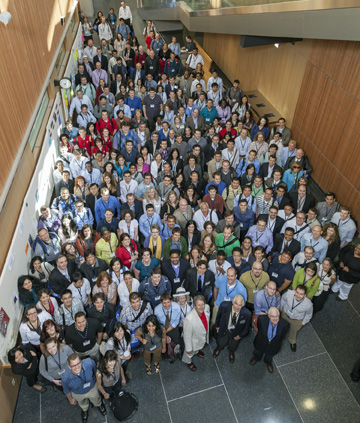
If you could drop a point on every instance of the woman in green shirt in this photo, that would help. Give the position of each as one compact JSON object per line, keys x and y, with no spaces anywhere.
{"x":309,"y":278}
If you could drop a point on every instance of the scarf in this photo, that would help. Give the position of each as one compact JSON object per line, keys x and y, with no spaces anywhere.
{"x":158,"y":247}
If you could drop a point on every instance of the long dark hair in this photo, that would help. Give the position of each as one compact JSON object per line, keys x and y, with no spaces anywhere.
{"x":152,"y":319}
{"x":73,"y":225}
{"x":12,"y":352}
{"x":25,"y":296}
{"x":109,"y":355}
{"x":46,"y":325}
{"x":33,"y":260}
{"x":127,"y":336}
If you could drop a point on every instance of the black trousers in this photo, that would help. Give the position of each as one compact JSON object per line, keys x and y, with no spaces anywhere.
{"x":320,"y":301}
{"x":175,"y":336}
{"x":258,"y":356}
{"x":227,"y":340}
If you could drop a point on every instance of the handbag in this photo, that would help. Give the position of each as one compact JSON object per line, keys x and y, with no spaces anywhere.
{"x":124,"y":406}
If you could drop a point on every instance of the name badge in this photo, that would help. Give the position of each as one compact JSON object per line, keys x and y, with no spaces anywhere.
{"x":112,"y":254}
{"x":242,"y":321}
{"x":132,"y":109}
{"x":231,"y":327}
{"x":241,"y":225}
{"x":275,"y":275}
{"x":86,"y":385}
{"x":151,"y":67}
{"x":153,"y":348}
{"x":290,"y":313}
{"x":227,"y":299}
{"x":152,"y":105}
{"x":157,"y":298}
{"x":207,"y":283}
{"x":104,"y":325}
{"x":86,"y":343}
{"x":256,"y":243}
{"x":323,"y":219}
{"x":60,"y":372}
{"x":94,"y":279}
{"x":255,"y":291}
{"x":177,"y":280}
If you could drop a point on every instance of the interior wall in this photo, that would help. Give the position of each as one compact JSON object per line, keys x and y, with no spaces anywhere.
{"x":275,"y":72}
{"x":327,"y":118}
{"x":26,"y":51}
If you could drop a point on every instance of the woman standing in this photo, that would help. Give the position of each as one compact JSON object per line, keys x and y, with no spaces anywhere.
{"x":81,"y":188}
{"x":105,"y":285}
{"x":24,"y":362}
{"x":116,"y":271}
{"x":40,"y":269}
{"x":119,"y":44}
{"x":184,"y":300}
{"x":128,"y":285}
{"x":110,"y":375}
{"x":151,"y":196}
{"x":109,"y":183}
{"x":53,"y":363}
{"x":155,"y":242}
{"x":152,"y":336}
{"x":208,"y":248}
{"x":261,"y":126}
{"x":51,"y":330}
{"x":169,"y":207}
{"x":331,"y":233}
{"x":87,"y":239}
{"x":31,"y":326}
{"x":176,"y":162}
{"x":309,"y":278}
{"x":243,"y":107}
{"x":156,"y":165}
{"x":128,"y":225}
{"x":120,"y":342}
{"x":144,"y":266}
{"x":224,"y":111}
{"x":191,"y":234}
{"x":259,"y":254}
{"x":327,"y":277}
{"x":195,"y":255}
{"x":292,"y":175}
{"x":127,"y":251}
{"x":246,"y":247}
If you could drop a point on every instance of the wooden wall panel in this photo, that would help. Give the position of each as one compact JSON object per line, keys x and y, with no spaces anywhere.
{"x":327,"y":118}
{"x":274,"y":72}
{"x":28,"y":45}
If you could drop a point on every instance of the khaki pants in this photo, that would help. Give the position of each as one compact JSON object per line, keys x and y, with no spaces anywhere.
{"x":94,"y":353}
{"x":214,"y":314}
{"x":186,"y":358}
{"x":295,"y":326}
{"x":156,"y":354}
{"x":83,"y":399}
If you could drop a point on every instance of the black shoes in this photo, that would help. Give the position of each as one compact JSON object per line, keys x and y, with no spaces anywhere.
{"x":84,"y":416}
{"x":293,"y":347}
{"x":102,"y":409}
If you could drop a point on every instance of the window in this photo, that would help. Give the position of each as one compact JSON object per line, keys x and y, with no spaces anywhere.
{"x":38,"y":120}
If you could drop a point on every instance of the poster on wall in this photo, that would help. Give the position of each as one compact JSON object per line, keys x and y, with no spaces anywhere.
{"x":4,"y":322}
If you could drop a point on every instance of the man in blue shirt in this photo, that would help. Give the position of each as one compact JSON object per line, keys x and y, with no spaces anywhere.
{"x":106,"y":201}
{"x":168,"y":314}
{"x":226,"y":287}
{"x":241,"y":169}
{"x":133,"y":102}
{"x":209,"y":113}
{"x":217,"y":182}
{"x":266,"y":298}
{"x":130,"y":152}
{"x":260,"y":234}
{"x":245,"y":216}
{"x":148,"y":219}
{"x":79,"y":385}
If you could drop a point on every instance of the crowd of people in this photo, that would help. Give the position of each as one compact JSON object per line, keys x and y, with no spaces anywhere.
{"x":178,"y":216}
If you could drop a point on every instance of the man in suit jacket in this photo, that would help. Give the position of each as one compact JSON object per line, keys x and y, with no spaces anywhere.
{"x":274,"y":222}
{"x":192,"y":280}
{"x":196,"y":331}
{"x":61,"y":277}
{"x":286,"y":241}
{"x":271,"y":332}
{"x":269,"y":167}
{"x":175,"y":269}
{"x":183,"y":214}
{"x":214,"y":164}
{"x":301,"y":201}
{"x":232,"y":324}
{"x":285,"y":132}
{"x":281,"y":197}
{"x":195,"y":118}
{"x":102,"y":59}
{"x":185,"y":84}
{"x":133,"y":204}
{"x":139,"y":73}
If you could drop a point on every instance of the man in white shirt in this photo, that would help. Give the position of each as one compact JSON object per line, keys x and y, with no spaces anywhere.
{"x":193,"y":59}
{"x":203,"y":215}
{"x":80,"y":288}
{"x":298,"y":224}
{"x":77,"y":164}
{"x":91,"y":175}
{"x":215,"y":78}
{"x":78,"y":101}
{"x":242,"y":143}
{"x":90,"y":51}
{"x":127,"y":186}
{"x":219,"y":266}
{"x":85,"y":116}
{"x":125,"y":13}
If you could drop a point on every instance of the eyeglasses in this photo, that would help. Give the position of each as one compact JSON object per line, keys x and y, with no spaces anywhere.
{"x":76,"y":365}
{"x":296,"y":167}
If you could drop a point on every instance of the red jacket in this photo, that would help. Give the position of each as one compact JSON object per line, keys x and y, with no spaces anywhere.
{"x":84,"y":143}
{"x":140,"y":58}
{"x":219,"y":203}
{"x":232,"y":131}
{"x":124,"y":254}
{"x":110,"y":125}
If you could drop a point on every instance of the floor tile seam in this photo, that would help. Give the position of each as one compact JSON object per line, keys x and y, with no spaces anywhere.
{"x":194,"y":393}
{"x":40,"y":409}
{"x":341,"y":376}
{"x":301,"y":359}
{"x":167,"y":403}
{"x":292,"y":399}
{"x":354,"y":308}
{"x":226,"y":391}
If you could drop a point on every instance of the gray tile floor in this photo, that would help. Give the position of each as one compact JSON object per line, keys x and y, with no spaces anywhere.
{"x":310,"y":386}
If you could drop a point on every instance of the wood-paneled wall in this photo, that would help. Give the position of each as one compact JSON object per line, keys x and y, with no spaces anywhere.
{"x":28,"y":44}
{"x":276,"y":72}
{"x":327,"y":118}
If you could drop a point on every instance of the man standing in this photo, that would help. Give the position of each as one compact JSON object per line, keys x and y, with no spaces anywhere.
{"x":280,"y":270}
{"x":254,"y":280}
{"x":47,"y":245}
{"x":297,"y":310}
{"x":183,"y":214}
{"x":326,"y":209}
{"x":65,"y":314}
{"x":200,"y":280}
{"x":196,"y":331}
{"x":168,"y":313}
{"x":266,"y":298}
{"x":79,"y":385}
{"x":227,"y":241}
{"x":203,"y":215}
{"x":271,"y":331}
{"x":154,"y":286}
{"x":107,"y":201}
{"x":232,"y":324}
{"x":347,"y":227}
{"x":152,"y":106}
{"x":175,"y":269}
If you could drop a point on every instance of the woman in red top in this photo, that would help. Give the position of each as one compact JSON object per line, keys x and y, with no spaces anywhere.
{"x":107,"y":138}
{"x":87,"y":239}
{"x":84,"y":141}
{"x":127,"y":251}
{"x":100,"y":146}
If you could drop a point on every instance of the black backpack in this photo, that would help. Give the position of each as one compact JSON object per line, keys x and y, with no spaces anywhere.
{"x":124,"y":406}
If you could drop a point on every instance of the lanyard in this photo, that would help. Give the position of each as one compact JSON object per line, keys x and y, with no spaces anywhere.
{"x":86,"y":331}
{"x":267,"y":302}
{"x":184,"y":313}
{"x":37,"y":329}
{"x":314,"y":244}
{"x":292,"y":308}
{"x":259,"y":236}
{"x":271,"y":227}
{"x":70,"y":311}
{"x":80,"y":376}
{"x":228,"y":293}
{"x":56,"y":361}
{"x":256,"y":285}
{"x":342,"y":223}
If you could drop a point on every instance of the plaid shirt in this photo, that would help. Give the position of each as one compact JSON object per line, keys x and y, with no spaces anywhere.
{"x":128,"y":314}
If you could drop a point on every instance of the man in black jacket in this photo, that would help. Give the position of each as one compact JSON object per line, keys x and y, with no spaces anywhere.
{"x":92,"y":198}
{"x":286,"y":241}
{"x":133,"y":204}
{"x":92,"y":267}
{"x":274,"y":222}
{"x":61,"y":277}
{"x":65,"y":182}
{"x":232,"y":324}
{"x":271,"y":332}
{"x":301,"y":200}
{"x":200,"y":276}
{"x":175,"y":269}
